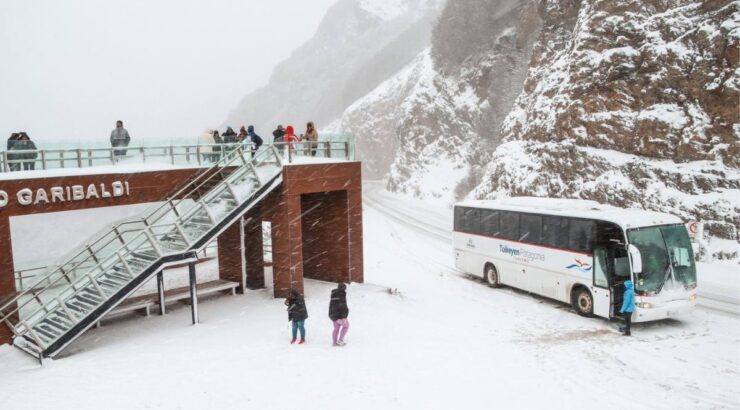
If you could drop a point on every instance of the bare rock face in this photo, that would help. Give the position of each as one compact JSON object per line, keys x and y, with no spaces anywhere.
{"x":653,"y":78}
{"x":632,"y":103}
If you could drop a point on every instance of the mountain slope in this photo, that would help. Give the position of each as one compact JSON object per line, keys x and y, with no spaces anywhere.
{"x":359,"y":44}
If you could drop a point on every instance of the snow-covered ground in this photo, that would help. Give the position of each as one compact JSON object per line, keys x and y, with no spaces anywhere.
{"x":442,"y":341}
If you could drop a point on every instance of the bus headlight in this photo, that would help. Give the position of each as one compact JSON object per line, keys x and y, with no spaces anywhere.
{"x":692,"y":298}
{"x":644,"y":305}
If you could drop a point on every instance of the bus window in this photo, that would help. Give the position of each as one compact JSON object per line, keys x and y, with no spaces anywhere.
{"x":510,"y":225}
{"x":472,"y":220}
{"x":489,"y":222}
{"x":530,"y":229}
{"x":581,"y":236}
{"x":459,"y":219}
{"x":555,"y":232}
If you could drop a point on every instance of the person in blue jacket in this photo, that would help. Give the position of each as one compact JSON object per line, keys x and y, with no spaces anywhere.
{"x":628,"y":306}
{"x":254,"y":139}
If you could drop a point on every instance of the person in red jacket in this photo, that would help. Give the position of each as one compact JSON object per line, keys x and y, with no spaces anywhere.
{"x":290,"y":137}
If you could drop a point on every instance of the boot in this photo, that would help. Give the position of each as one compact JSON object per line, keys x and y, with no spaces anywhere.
{"x":302,"y":341}
{"x":292,"y":341}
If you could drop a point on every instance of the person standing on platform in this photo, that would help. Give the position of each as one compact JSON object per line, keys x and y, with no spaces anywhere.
{"x":278,"y":135}
{"x":312,"y":136}
{"x":338,"y":313}
{"x":206,"y":145}
{"x":290,"y":137}
{"x":24,"y":143}
{"x":297,"y":313}
{"x":9,"y":156}
{"x":254,"y":140}
{"x":242,"y":135}
{"x":119,"y":137}
{"x":218,"y":148}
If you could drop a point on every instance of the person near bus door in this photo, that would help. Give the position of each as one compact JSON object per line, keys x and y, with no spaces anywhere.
{"x":338,"y":313}
{"x":628,"y":306}
{"x":297,"y":313}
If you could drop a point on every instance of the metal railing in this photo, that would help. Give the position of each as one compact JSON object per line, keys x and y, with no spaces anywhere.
{"x":189,"y":204}
{"x":194,"y":155}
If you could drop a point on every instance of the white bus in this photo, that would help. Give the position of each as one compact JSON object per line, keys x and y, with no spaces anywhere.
{"x":579,"y":252}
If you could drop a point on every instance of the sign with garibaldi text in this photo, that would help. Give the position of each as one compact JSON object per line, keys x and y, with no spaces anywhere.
{"x":58,"y":194}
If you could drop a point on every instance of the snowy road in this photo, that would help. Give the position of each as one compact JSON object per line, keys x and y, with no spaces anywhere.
{"x":440,"y":342}
{"x":719,"y":284}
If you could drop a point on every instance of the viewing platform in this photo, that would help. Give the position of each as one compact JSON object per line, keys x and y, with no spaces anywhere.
{"x":89,"y":230}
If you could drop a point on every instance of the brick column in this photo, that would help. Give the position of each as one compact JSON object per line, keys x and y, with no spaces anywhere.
{"x":7,"y":276}
{"x":356,"y":258}
{"x":229,"y":254}
{"x":287,"y":266}
{"x":254,"y":249}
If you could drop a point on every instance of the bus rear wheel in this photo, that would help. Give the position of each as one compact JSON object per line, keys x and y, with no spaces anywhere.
{"x":492,"y":276}
{"x":583,"y":302}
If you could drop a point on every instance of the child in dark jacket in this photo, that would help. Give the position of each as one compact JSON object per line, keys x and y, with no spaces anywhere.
{"x":297,"y":313}
{"x":338,"y":313}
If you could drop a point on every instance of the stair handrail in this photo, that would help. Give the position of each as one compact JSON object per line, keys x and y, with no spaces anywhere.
{"x":227,"y":159}
{"x":117,"y":230}
{"x":34,"y":290}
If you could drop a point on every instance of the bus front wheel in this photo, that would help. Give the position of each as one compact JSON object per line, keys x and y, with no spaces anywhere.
{"x":492,"y":276}
{"x":583,"y":302}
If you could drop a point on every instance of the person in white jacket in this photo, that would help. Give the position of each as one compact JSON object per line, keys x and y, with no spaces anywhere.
{"x":207,"y":142}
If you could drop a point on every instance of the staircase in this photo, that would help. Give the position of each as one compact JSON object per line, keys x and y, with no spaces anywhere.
{"x":97,"y":276}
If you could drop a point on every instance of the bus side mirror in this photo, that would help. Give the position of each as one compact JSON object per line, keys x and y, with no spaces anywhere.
{"x":635,"y":258}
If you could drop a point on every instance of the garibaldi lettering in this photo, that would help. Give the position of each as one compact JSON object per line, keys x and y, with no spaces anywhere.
{"x":57,"y":194}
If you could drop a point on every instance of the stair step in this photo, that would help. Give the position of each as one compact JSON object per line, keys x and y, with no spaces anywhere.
{"x":49,"y":321}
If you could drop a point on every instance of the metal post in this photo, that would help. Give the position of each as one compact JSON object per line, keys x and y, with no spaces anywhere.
{"x":172,"y":155}
{"x":197,"y":153}
{"x":193,"y":293}
{"x":79,"y":158}
{"x":327,"y":149}
{"x":160,"y":292}
{"x":242,"y":252}
{"x":89,"y":158}
{"x":43,"y":159}
{"x":6,"y":167}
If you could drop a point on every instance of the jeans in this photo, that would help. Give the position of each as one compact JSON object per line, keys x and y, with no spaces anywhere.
{"x":338,"y":335}
{"x":298,"y":325}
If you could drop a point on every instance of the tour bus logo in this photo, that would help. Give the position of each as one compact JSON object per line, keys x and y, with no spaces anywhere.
{"x":580,"y":266}
{"x":521,"y":254}
{"x":470,"y":244}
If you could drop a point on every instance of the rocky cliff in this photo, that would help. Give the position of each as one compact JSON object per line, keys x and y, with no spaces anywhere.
{"x":633,"y":103}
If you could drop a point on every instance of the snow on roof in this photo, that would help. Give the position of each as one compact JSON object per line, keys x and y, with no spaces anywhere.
{"x":578,"y":208}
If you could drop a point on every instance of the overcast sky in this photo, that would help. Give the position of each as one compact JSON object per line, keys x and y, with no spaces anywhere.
{"x":167,"y":68}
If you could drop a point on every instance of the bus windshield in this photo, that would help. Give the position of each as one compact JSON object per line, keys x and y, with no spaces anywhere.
{"x":666,"y":256}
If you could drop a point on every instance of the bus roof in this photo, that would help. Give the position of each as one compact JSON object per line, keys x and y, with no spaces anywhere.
{"x":578,"y":208}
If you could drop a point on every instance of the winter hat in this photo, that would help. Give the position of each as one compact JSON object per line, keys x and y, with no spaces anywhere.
{"x":341,"y":286}
{"x":294,"y":291}
{"x":280,"y":127}
{"x":250,"y":128}
{"x":289,"y":130}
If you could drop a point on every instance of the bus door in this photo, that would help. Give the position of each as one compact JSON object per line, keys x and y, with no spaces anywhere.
{"x":602,"y":293}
